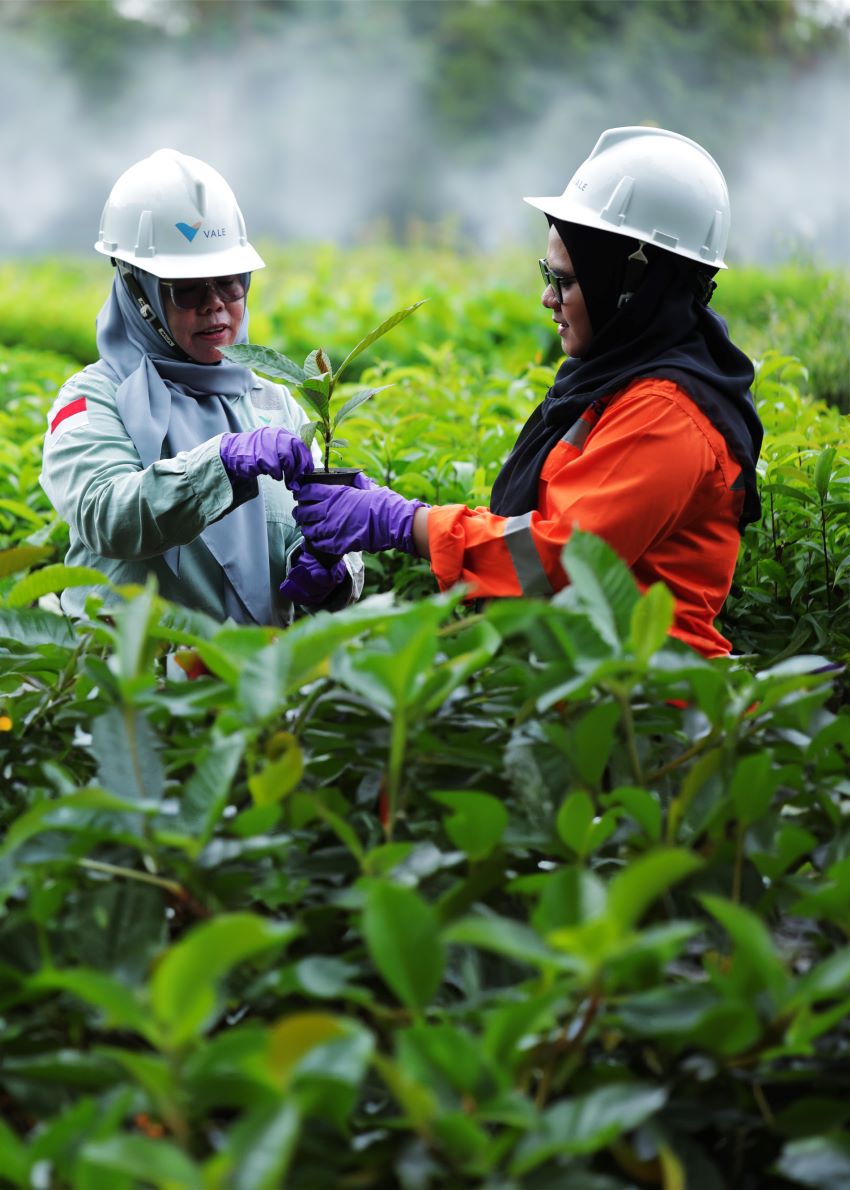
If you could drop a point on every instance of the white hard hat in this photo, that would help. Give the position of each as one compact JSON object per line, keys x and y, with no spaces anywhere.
{"x":652,"y":185}
{"x":176,"y":217}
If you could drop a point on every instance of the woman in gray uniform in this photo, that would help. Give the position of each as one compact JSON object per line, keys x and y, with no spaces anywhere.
{"x":163,"y":457}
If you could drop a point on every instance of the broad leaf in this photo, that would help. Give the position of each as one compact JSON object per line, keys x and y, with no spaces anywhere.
{"x":265,"y":360}
{"x":51,"y":579}
{"x":402,"y":934}
{"x":377,"y":333}
{"x":477,"y":823}
{"x":183,"y":987}
{"x":151,"y":1162}
{"x":21,"y":557}
{"x":589,"y":1122}
{"x":356,"y":401}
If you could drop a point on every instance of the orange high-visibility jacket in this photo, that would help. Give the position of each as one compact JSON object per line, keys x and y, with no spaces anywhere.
{"x":651,"y":476}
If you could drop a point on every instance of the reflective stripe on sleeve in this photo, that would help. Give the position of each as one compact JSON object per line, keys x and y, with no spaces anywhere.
{"x":527,"y":565}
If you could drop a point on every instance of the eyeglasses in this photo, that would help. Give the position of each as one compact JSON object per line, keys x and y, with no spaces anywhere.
{"x":556,"y":280}
{"x":190,"y":295}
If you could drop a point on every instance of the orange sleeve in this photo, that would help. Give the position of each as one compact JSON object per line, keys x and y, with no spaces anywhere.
{"x":635,"y":481}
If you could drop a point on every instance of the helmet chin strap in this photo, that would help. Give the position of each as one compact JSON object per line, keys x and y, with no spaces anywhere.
{"x":702,"y":283}
{"x":147,"y":311}
{"x":635,"y":265}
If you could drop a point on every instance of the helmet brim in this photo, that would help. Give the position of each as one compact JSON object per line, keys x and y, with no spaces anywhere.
{"x":243,"y":259}
{"x":560,"y":206}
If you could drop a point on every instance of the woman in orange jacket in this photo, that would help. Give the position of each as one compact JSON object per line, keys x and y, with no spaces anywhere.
{"x":649,"y":435}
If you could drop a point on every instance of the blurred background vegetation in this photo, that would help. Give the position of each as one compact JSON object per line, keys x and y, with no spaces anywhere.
{"x":340,"y":119}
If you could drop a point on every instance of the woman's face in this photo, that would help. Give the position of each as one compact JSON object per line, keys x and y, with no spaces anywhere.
{"x":570,"y":316}
{"x":202,"y":330}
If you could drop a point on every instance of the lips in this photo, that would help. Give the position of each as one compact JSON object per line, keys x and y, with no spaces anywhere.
{"x":212,"y":334}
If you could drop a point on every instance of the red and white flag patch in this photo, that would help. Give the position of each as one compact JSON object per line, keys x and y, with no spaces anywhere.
{"x":69,"y":417}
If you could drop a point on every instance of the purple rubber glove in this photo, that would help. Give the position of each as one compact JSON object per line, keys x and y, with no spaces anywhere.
{"x":271,"y":450}
{"x":338,"y":519}
{"x":309,"y":583}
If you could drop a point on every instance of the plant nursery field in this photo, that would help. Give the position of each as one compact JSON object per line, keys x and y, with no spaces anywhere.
{"x":411,"y":896}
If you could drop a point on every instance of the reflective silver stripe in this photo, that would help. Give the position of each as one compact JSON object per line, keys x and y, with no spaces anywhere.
{"x":524,"y":555}
{"x":578,"y":433}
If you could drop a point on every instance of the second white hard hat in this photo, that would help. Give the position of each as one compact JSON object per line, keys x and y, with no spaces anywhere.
{"x":652,"y":185}
{"x":176,"y":217}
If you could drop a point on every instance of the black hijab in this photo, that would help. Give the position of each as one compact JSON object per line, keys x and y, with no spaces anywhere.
{"x":666,"y":331}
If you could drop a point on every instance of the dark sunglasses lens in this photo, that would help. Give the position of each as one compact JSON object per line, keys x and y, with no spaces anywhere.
{"x":230,"y":289}
{"x":189,"y":295}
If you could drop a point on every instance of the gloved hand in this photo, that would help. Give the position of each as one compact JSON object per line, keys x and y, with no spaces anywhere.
{"x":271,"y":450}
{"x":338,"y":519}
{"x":309,"y":583}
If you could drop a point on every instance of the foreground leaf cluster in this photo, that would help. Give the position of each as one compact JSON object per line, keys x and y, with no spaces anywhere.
{"x":535,"y":897}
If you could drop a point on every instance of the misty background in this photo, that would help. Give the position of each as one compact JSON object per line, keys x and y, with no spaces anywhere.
{"x":345,"y":119}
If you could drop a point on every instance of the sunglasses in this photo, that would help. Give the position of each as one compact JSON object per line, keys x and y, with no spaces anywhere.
{"x":190,"y":295}
{"x":556,"y":280}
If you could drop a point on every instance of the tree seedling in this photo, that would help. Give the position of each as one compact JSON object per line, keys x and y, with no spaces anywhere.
{"x":316,"y":381}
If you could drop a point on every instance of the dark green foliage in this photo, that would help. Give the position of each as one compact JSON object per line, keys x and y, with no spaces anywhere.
{"x":411,"y":896}
{"x":398,"y":891}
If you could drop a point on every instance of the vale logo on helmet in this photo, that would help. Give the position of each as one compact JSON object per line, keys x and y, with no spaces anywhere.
{"x":190,"y":230}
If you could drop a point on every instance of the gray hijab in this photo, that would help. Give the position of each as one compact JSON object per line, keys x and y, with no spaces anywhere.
{"x":169,"y":403}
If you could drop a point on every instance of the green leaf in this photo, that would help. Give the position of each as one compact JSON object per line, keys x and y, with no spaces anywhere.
{"x":402,"y":935}
{"x":323,"y":977}
{"x":633,"y":890}
{"x":153,"y":1162}
{"x":477,"y":823}
{"x":14,"y":1159}
{"x":317,"y":399}
{"x":356,"y":401}
{"x":266,"y":361}
{"x":21,"y":557}
{"x":183,"y":987}
{"x":601,"y":586}
{"x":587,"y":1123}
{"x":127,"y":752}
{"x":818,"y":1161}
{"x":640,"y":804}
{"x":153,"y":1073}
{"x":307,"y":432}
{"x":117,"y":1002}
{"x":291,"y":1039}
{"x":376,"y":334}
{"x":592,"y":741}
{"x":506,"y":936}
{"x":651,"y":620}
{"x":261,"y":1146}
{"x":574,"y":820}
{"x":206,"y":793}
{"x":753,"y":785}
{"x":51,"y":579}
{"x":278,"y":777}
{"x":36,"y":627}
{"x":823,"y":471}
{"x":828,"y":980}
{"x":317,"y":365}
{"x":756,"y":966}
{"x":61,"y":814}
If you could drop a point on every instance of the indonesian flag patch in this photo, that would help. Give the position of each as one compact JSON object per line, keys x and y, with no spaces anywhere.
{"x":68,"y":417}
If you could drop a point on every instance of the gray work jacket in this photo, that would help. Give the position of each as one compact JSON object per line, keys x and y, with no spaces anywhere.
{"x":123,"y":517}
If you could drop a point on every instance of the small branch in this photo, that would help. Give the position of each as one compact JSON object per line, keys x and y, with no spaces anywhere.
{"x":565,"y":1045}
{"x":682,"y":758}
{"x":631,"y":737}
{"x":171,"y":886}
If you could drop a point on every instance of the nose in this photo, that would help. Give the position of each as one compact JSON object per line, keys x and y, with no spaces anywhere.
{"x":211,"y":300}
{"x":549,"y":299}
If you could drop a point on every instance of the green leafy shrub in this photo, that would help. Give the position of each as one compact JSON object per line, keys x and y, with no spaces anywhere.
{"x":410,"y":896}
{"x":534,"y":898}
